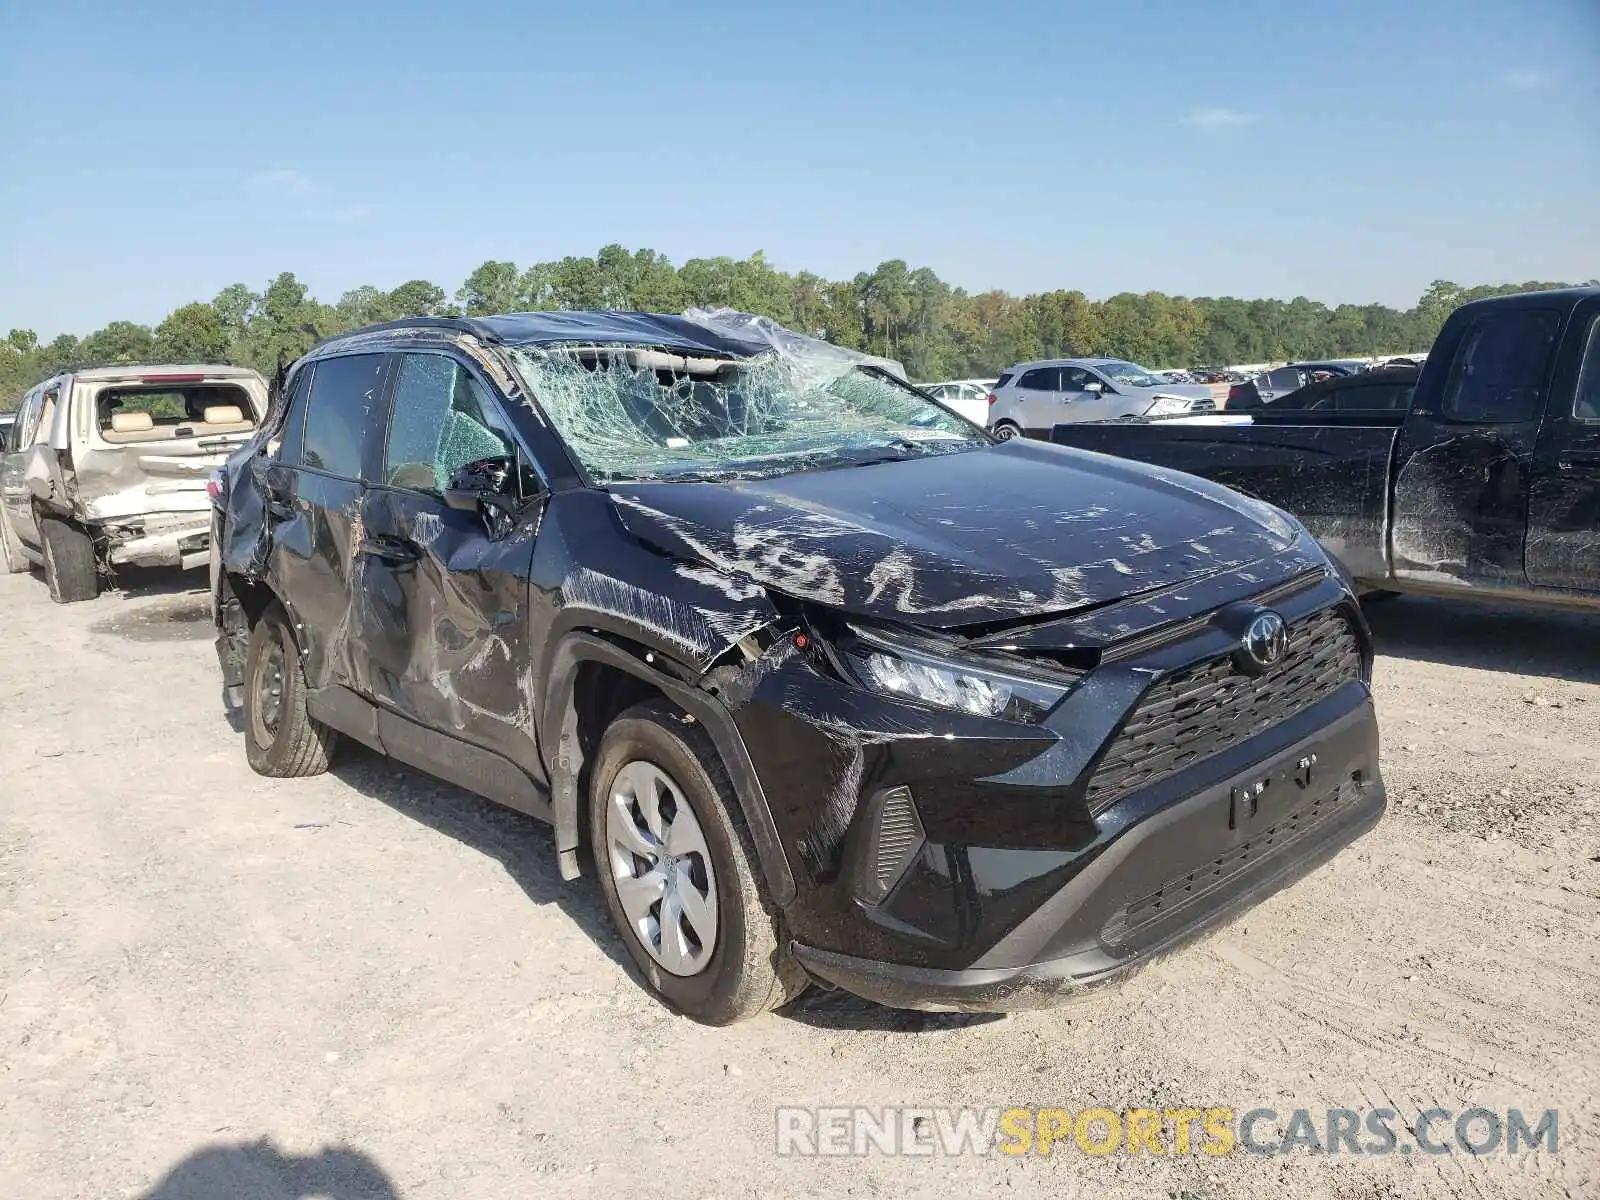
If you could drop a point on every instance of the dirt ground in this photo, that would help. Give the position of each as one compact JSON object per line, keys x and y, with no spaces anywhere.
{"x":374,"y":985}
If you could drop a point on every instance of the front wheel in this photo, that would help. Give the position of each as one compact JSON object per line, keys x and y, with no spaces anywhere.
{"x":1005,"y":431}
{"x":281,"y":740}
{"x":679,"y":873}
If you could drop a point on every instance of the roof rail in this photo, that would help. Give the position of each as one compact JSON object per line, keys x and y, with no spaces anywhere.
{"x":461,"y":324}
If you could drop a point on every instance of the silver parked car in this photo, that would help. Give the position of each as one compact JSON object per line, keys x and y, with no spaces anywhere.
{"x":108,"y":466}
{"x":1032,"y":397}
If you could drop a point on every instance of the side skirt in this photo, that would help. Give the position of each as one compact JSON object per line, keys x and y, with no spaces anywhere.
{"x":478,"y":770}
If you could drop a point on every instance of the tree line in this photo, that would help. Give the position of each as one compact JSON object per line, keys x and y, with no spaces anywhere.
{"x":936,"y":330}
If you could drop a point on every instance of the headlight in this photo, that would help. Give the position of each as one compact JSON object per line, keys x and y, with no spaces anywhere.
{"x":893,"y":669}
{"x":1168,"y":406}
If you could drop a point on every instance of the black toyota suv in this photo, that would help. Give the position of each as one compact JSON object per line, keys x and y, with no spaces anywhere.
{"x":832,"y":687}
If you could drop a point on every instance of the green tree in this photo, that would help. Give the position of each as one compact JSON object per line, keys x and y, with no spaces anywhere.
{"x":283,"y":324}
{"x":896,"y":310}
{"x":364,"y":305}
{"x":491,"y":288}
{"x":417,"y":298}
{"x":193,"y":333}
{"x":118,"y":342}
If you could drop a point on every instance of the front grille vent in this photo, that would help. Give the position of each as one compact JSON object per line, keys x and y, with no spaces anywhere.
{"x":897,"y":840}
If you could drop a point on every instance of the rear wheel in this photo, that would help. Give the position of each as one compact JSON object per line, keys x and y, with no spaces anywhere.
{"x":1005,"y":431}
{"x":70,"y":569}
{"x":12,"y":559}
{"x":281,"y":739}
{"x":679,"y":873}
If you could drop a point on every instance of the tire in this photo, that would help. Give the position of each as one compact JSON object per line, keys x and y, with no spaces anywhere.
{"x":747,"y":969}
{"x":70,"y":569}
{"x":12,"y":560}
{"x":1004,"y":431}
{"x":281,"y":740}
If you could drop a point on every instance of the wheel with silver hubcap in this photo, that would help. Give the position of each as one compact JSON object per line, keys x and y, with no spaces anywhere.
{"x":679,"y":872}
{"x":662,"y":869}
{"x":1005,"y":431}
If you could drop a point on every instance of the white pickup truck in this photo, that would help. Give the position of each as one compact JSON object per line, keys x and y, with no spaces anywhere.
{"x":108,"y":466}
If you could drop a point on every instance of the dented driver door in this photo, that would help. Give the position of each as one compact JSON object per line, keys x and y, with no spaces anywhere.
{"x":1465,"y":456}
{"x":444,"y":592}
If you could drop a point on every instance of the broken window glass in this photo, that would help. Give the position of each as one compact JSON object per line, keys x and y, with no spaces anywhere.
{"x":440,"y":423}
{"x":636,"y":412}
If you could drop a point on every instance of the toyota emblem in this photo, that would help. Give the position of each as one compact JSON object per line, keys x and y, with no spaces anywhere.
{"x":1262,"y":647}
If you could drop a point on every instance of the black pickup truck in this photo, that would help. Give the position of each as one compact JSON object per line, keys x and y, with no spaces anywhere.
{"x":1487,"y":482}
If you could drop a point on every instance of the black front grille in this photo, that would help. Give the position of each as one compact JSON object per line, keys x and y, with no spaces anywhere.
{"x":1203,"y":710}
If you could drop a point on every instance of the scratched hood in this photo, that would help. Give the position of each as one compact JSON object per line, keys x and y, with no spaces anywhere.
{"x":1018,"y":530}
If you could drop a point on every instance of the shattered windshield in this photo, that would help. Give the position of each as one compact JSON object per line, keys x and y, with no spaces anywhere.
{"x":1131,"y":374}
{"x":634,"y":413}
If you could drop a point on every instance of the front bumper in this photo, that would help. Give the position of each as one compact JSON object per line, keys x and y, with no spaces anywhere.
{"x":1166,"y":879}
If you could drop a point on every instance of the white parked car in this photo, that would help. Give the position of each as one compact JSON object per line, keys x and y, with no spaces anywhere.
{"x":969,"y":397}
{"x":1032,"y":397}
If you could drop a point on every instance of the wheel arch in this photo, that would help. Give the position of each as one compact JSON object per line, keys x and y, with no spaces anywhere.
{"x":593,"y":679}
{"x":238,"y":606}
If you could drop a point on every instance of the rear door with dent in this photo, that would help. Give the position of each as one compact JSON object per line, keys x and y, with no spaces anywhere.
{"x":311,"y":490}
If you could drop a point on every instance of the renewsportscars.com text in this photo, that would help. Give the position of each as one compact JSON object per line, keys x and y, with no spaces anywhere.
{"x":1213,"y":1131}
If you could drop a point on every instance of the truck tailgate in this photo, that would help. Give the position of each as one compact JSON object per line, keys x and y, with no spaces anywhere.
{"x":1332,"y":475}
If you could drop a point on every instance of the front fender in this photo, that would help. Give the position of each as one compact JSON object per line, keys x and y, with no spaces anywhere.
{"x":564,"y":753}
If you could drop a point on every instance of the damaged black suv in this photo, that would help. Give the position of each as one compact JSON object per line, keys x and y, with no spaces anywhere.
{"x":833,"y":688}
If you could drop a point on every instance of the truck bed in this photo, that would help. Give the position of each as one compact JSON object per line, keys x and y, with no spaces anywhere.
{"x":1332,"y":474}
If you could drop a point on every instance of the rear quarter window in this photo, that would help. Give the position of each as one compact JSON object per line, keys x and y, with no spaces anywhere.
{"x":1002,"y":381}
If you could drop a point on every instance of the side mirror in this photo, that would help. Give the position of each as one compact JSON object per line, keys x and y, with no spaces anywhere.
{"x":486,"y":486}
{"x":1095,"y":388}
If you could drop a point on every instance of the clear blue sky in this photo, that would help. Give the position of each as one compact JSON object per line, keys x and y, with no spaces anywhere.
{"x":152,"y":153}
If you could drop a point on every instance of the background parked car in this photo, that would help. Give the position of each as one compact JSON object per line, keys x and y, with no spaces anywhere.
{"x":108,"y":466}
{"x":969,"y":397}
{"x":1032,"y":397}
{"x":1280,"y":381}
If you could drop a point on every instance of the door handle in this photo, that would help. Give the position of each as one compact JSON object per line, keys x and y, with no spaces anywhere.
{"x":378,"y":545}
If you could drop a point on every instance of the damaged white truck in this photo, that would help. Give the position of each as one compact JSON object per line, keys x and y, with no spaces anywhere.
{"x":108,"y":467}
